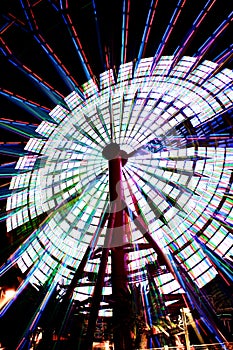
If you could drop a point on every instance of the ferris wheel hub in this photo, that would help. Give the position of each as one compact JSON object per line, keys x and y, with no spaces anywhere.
{"x":112,"y":151}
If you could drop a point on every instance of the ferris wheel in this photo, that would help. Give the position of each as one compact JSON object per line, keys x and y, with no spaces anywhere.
{"x":128,"y":177}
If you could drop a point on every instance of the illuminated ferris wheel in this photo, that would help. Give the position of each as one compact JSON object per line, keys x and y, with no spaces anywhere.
{"x":126,"y":181}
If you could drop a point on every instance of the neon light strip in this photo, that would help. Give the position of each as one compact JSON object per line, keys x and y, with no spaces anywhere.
{"x":147,"y":29}
{"x":224,"y":56}
{"x":29,"y":105}
{"x":207,"y":44}
{"x":85,"y":64}
{"x":16,"y":21}
{"x":22,"y":129}
{"x":168,"y":32}
{"x":75,"y":39}
{"x":125,"y":30}
{"x":51,"y":92}
{"x":5,"y":27}
{"x":98,"y":35}
{"x":68,"y":79}
{"x":179,"y":51}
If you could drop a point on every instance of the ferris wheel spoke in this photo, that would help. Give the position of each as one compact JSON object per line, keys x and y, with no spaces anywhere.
{"x":94,"y":128}
{"x":164,"y":139}
{"x":168,"y":32}
{"x":225,"y":56}
{"x":195,"y":26}
{"x":88,"y":135}
{"x":98,"y":34}
{"x":127,"y":114}
{"x":138,"y":114}
{"x":103,"y":123}
{"x":67,"y":77}
{"x":81,"y":190}
{"x":218,"y":31}
{"x":67,"y":18}
{"x":125,"y":30}
{"x":159,"y":196}
{"x":51,"y":92}
{"x":147,"y":29}
{"x":38,"y":110}
{"x":166,"y":169}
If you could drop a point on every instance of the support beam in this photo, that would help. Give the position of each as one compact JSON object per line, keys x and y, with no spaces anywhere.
{"x":96,"y":299}
{"x":120,"y":290}
{"x":97,"y":295}
{"x":66,"y":305}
